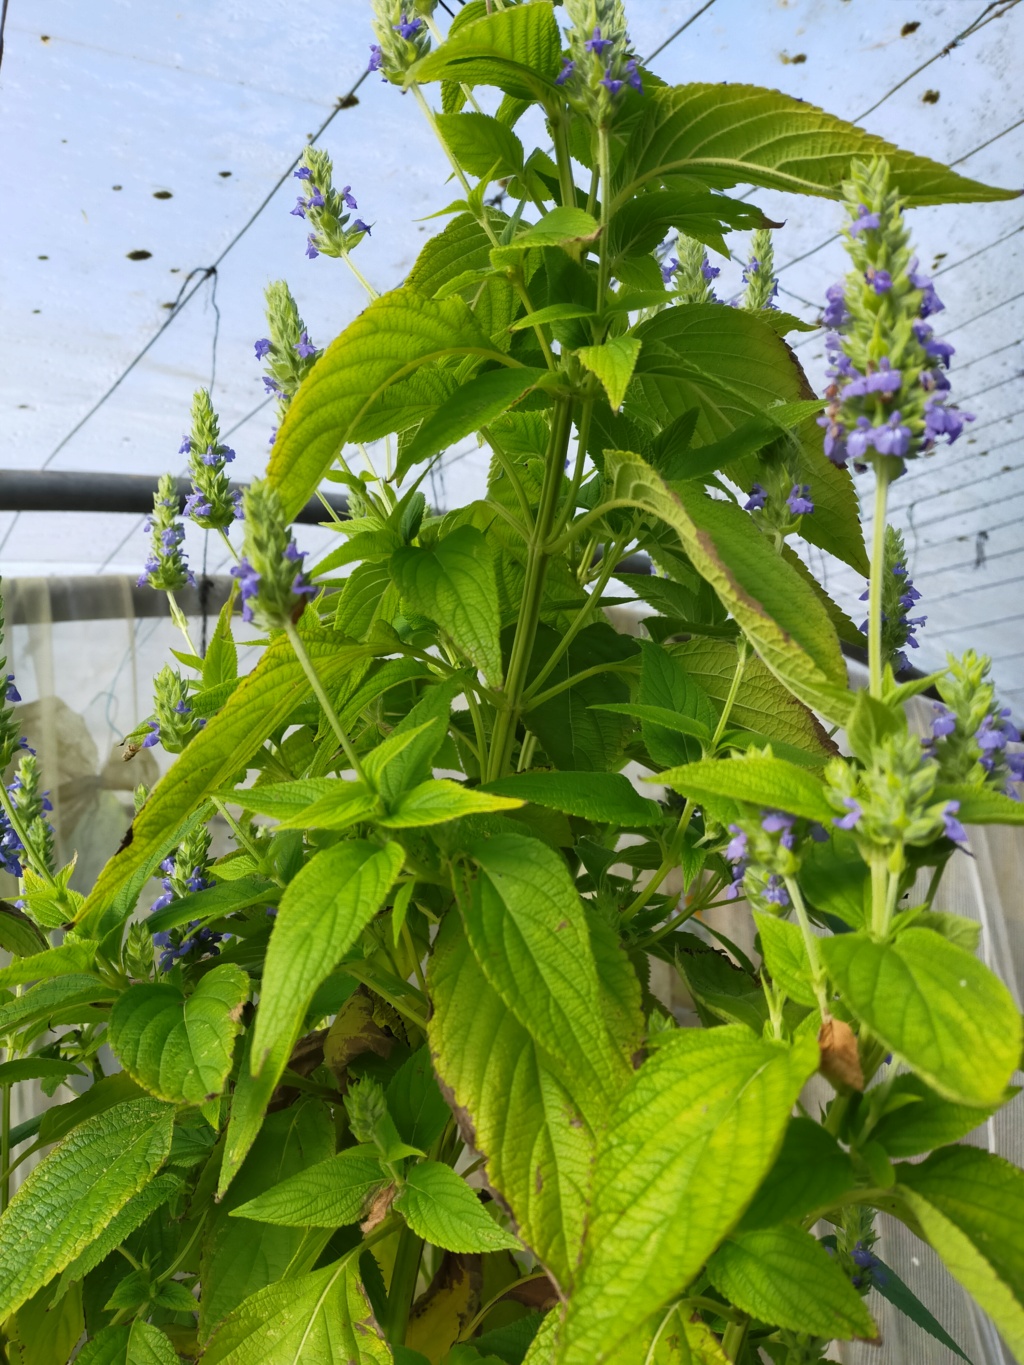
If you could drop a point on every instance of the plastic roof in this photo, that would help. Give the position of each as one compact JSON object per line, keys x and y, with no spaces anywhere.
{"x":153,"y":128}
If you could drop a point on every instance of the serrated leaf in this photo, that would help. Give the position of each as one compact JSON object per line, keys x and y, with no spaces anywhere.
{"x":784,"y":1276}
{"x":684,"y":1151}
{"x":394,"y":336}
{"x":315,"y":1319}
{"x":415,"y":1102}
{"x":442,"y":1209}
{"x":70,"y":959}
{"x":981,"y":806}
{"x":150,"y":1198}
{"x":135,"y":1343}
{"x":926,"y":1123}
{"x":891,"y":1287}
{"x":781,"y":617}
{"x":510,"y":1105}
{"x":179,"y":1047}
{"x":223,"y":899}
{"x":554,"y":312}
{"x":970,"y":1206}
{"x":528,"y":930}
{"x":37,"y":1068}
{"x":65,"y":999}
{"x":323,"y":910}
{"x":475,"y":403}
{"x":613,"y":363}
{"x":810,"y":1172}
{"x":936,"y":1006}
{"x":772,"y":783}
{"x":215,"y":756}
{"x":463,"y":245}
{"x":609,"y":798}
{"x":18,"y":934}
{"x":641,"y":223}
{"x":724,"y":135}
{"x":785,"y":956}
{"x":330,"y":1194}
{"x":560,"y":226}
{"x":73,"y":1193}
{"x":438,"y":800}
{"x":341,"y":805}
{"x":481,"y":144}
{"x":454,"y":584}
{"x":518,"y":50}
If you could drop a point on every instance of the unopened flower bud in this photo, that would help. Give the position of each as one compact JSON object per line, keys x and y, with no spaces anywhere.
{"x":166,"y":568}
{"x":270,"y":573}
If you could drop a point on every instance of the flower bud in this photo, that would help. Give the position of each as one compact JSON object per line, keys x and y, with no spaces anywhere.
{"x":326,"y":211}
{"x":601,"y":65}
{"x":759,"y":274}
{"x":211,"y":504}
{"x":166,"y":568}
{"x":32,"y":805}
{"x":270,"y":571}
{"x":402,"y":36}
{"x":10,"y":736}
{"x":692,"y":273}
{"x":175,"y":723}
{"x":288,"y":351}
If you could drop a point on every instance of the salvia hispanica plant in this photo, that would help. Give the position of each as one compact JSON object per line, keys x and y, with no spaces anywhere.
{"x":387,"y":1081}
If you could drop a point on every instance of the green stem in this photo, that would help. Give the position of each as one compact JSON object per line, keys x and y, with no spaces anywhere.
{"x":818,"y":975}
{"x":323,"y":699}
{"x":875,"y":660}
{"x":509,"y":470}
{"x":533,"y":591}
{"x":588,"y":519}
{"x":735,"y":1339}
{"x":531,"y":702}
{"x":604,"y":166}
{"x":224,"y":537}
{"x":879,"y":894}
{"x":583,"y":432}
{"x":670,"y":861}
{"x":403,"y":1284}
{"x":559,"y":124}
{"x":178,"y":617}
{"x":240,"y":835}
{"x":734,"y":687}
{"x":330,"y":510}
{"x":5,"y":1145}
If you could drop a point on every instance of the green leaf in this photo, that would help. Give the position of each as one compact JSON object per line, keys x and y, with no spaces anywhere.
{"x":262,"y":701}
{"x":322,"y":913}
{"x":223,"y":899}
{"x":528,"y":929}
{"x":607,"y":798}
{"x":70,"y":959}
{"x":810,"y":1173}
{"x":135,"y":1343}
{"x":940,"y":1009}
{"x":482,"y":145}
{"x":442,"y":1209}
{"x":970,"y":1207}
{"x":561,"y":226}
{"x":37,"y":1068}
{"x":475,"y":403}
{"x":454,"y":584}
{"x":554,"y":312}
{"x":785,"y":955}
{"x":835,"y":879}
{"x":342,"y":804}
{"x":640,"y":224}
{"x":572,"y":734}
{"x":239,"y":1255}
{"x":518,"y":50}
{"x":60,"y":1119}
{"x":891,"y":1287}
{"x":768,"y":782}
{"x":438,"y":800}
{"x":65,"y":999}
{"x":745,"y":135}
{"x":908,"y":1129}
{"x":749,"y":391}
{"x":981,"y":806}
{"x":666,"y":686}
{"x":463,"y":245}
{"x":74,"y":1192}
{"x":613,"y":363}
{"x":415,"y":1102}
{"x":781,"y":617}
{"x":316,"y":1319}
{"x":43,"y":1331}
{"x":281,"y":800}
{"x":180,"y":1047}
{"x":18,"y":934}
{"x":685,"y":1149}
{"x":330,"y":1194}
{"x":784,"y":1276}
{"x":395,"y":335}
{"x":762,"y":704}
{"x":150,"y":1198}
{"x":510,"y":1105}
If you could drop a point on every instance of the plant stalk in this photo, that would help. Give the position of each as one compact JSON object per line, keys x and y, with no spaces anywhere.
{"x":403,"y":1285}
{"x":875,"y":661}
{"x":322,"y":697}
{"x":5,"y":1146}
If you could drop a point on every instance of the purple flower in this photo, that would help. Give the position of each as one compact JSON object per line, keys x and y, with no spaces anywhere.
{"x":186,"y":446}
{"x":861,"y":439}
{"x":736,"y":849}
{"x":239,"y":505}
{"x":407,"y":28}
{"x":777,"y":822}
{"x":709,"y":271}
{"x":596,"y":44}
{"x":942,"y":421}
{"x":151,"y":566}
{"x":900,"y":662}
{"x":884,"y":380}
{"x":990,"y":736}
{"x":196,"y":505}
{"x":817,"y":832}
{"x":12,"y":693}
{"x":775,"y":892}
{"x":952,"y":827}
{"x":271,"y":385}
{"x":311,"y":250}
{"x":249,"y":580}
{"x":633,"y":76}
{"x":163,"y":901}
{"x":854,"y":812}
{"x":945,"y":721}
{"x":799,"y":500}
{"x":316,"y":199}
{"x":835,"y":308}
{"x":360,"y":226}
{"x":758,"y":498}
{"x":272,"y":437}
{"x":167,"y":865}
{"x":299,"y":211}
{"x":262,"y":347}
{"x":172,"y":536}
{"x":346,"y":197}
{"x":942,"y":351}
{"x":835,"y":442}
{"x":302,"y":587}
{"x":304,"y":346}
{"x":864,"y":222}
{"x":930,"y":302}
{"x":669,"y":269}
{"x":376,"y":57}
{"x":891,"y":438}
{"x":880,"y":280}
{"x":293,"y":553}
{"x":568,"y":69}
{"x":303,"y":173}
{"x":610,"y":83}
{"x":153,"y":738}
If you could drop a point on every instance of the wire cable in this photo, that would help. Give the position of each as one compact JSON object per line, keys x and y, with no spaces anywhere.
{"x":673,"y":36}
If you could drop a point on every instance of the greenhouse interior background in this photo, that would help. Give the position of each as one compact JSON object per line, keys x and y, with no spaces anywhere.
{"x":148,"y":151}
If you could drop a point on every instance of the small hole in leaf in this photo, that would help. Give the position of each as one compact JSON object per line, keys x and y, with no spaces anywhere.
{"x":162,"y":194}
{"x":139,"y":255}
{"x":930,"y":97}
{"x":910,"y":28}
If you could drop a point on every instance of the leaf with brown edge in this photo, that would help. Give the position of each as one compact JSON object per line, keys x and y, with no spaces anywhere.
{"x":447,"y":1306}
{"x":840,"y":1060}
